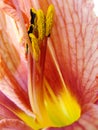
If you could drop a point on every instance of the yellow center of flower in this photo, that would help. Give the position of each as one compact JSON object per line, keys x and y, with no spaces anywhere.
{"x":51,"y":110}
{"x":63,"y":109}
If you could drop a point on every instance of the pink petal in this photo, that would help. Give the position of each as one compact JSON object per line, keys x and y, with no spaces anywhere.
{"x":13,"y":64}
{"x":4,"y":111}
{"x":7,"y":108}
{"x":9,"y":8}
{"x":74,"y":44}
{"x":13,"y":7}
{"x":12,"y":124}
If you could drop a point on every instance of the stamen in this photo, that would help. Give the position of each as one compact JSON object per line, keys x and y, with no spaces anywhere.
{"x":40,"y":28}
{"x":49,"y":20}
{"x":35,"y":46}
{"x":41,"y":24}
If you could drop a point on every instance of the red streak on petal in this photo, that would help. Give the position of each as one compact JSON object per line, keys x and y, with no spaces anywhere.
{"x":15,"y":85}
{"x":9,"y":2}
{"x":74,"y":39}
{"x":52,"y":75}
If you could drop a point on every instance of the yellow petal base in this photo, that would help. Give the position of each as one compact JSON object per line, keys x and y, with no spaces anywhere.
{"x":62,"y":110}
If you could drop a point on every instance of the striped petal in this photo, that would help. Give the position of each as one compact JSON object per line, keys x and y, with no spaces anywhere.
{"x":74,"y":46}
{"x":12,"y":124}
{"x":13,"y":72}
{"x":11,"y":64}
{"x":10,"y":110}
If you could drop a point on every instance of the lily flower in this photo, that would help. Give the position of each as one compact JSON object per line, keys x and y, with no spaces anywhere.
{"x":48,"y":65}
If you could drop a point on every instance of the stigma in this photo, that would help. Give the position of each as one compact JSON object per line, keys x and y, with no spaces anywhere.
{"x":40,"y":28}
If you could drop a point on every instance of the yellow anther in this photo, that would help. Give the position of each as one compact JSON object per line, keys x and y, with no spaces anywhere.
{"x":40,"y":24}
{"x":49,"y":19}
{"x":35,"y":46}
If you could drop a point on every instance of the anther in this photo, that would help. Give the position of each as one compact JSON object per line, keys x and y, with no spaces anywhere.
{"x":40,"y":28}
{"x":49,"y":19}
{"x":35,"y":46}
{"x":40,"y":24}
